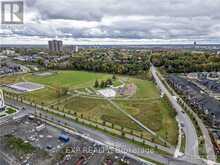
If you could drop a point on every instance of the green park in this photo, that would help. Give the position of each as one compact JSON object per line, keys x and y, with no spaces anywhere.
{"x":73,"y":92}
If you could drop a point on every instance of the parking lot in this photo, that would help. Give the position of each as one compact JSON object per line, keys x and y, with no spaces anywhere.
{"x":53,"y":146}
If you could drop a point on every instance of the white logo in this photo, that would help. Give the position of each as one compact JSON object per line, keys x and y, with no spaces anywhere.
{"x":12,"y":12}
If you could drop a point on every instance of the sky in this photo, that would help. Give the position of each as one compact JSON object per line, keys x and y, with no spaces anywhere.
{"x":116,"y":22}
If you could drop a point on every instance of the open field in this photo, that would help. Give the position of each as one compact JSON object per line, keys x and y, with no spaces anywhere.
{"x":96,"y":109}
{"x":145,"y":88}
{"x":70,"y":79}
{"x":157,"y":115}
{"x":154,"y":113}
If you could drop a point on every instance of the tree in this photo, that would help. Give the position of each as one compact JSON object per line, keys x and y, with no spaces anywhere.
{"x":109,"y":82}
{"x":61,"y":91}
{"x":114,"y":77}
{"x":96,"y":84}
{"x":102,"y":85}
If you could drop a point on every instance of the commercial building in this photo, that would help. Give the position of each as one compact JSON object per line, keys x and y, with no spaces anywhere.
{"x":55,"y":46}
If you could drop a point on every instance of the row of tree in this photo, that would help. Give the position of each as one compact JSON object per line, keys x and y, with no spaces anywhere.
{"x":104,"y":84}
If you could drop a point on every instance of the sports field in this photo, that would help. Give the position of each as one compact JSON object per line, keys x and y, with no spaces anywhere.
{"x":70,"y":79}
{"x":144,"y":104}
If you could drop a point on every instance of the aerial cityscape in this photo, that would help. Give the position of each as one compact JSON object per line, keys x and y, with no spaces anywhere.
{"x":106,"y":82}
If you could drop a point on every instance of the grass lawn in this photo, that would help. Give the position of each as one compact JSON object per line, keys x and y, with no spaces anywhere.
{"x":116,"y":83}
{"x":46,"y":95}
{"x":18,"y":145}
{"x":3,"y":115}
{"x":70,"y":79}
{"x":96,"y":109}
{"x":145,"y":88}
{"x":156,"y":115}
{"x":10,"y":110}
{"x":9,"y":80}
{"x":218,"y":158}
{"x":100,"y":110}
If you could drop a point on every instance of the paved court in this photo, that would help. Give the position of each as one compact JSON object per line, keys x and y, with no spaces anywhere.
{"x":108,"y":92}
{"x":26,"y":86}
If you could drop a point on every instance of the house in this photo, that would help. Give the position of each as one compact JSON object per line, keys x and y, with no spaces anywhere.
{"x":199,"y":101}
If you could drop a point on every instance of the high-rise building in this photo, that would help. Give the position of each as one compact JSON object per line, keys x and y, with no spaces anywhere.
{"x":55,"y":46}
{"x":76,"y":49}
{"x":70,"y":48}
{"x":2,"y":102}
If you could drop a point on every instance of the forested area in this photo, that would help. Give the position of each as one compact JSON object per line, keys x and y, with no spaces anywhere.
{"x":109,"y":61}
{"x":185,"y":62}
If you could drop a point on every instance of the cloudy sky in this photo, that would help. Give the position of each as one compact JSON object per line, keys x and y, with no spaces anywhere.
{"x":116,"y":21}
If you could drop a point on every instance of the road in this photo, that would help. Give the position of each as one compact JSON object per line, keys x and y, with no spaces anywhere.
{"x":208,"y":143}
{"x":191,"y":147}
{"x":3,"y":161}
{"x":111,"y":141}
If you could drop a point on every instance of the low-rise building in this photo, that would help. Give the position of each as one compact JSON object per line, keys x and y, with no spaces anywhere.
{"x":197,"y":99}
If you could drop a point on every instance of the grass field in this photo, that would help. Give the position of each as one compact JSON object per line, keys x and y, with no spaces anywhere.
{"x":9,"y":80}
{"x":155,"y":113}
{"x":145,"y":88}
{"x":70,"y":79}
{"x":96,"y":109}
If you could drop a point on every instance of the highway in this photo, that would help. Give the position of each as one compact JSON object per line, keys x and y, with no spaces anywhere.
{"x":111,"y":141}
{"x":191,"y":147}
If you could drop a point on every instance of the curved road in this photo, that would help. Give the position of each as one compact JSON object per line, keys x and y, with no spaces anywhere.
{"x":191,"y":148}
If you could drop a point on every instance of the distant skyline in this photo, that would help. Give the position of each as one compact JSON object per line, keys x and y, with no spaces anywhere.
{"x":116,"y":22}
